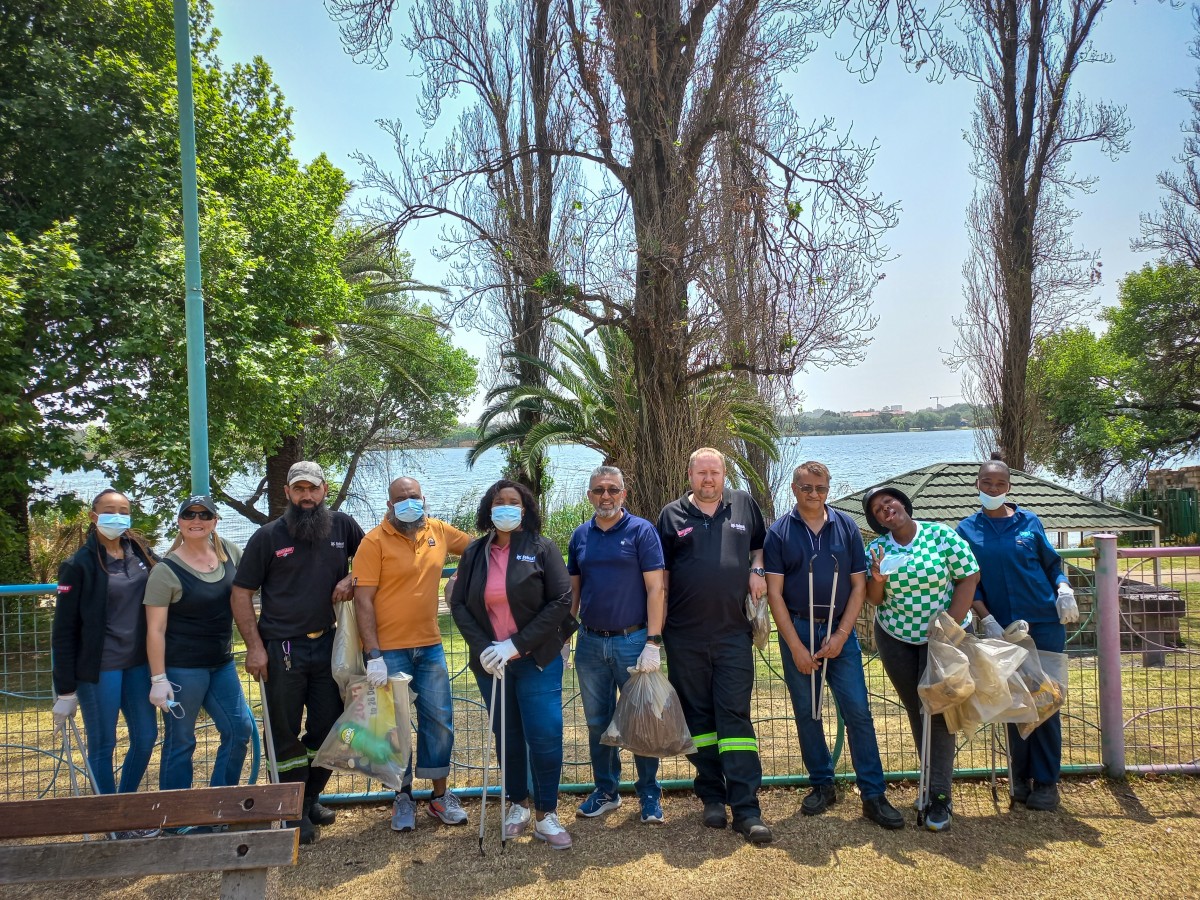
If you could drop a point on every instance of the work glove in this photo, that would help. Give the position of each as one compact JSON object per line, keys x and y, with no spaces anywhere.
{"x":495,"y":656}
{"x":377,"y":673}
{"x":1017,"y":631}
{"x":64,"y":708}
{"x":1068,"y":609}
{"x":650,"y":659}
{"x":991,"y":628}
{"x":161,"y":693}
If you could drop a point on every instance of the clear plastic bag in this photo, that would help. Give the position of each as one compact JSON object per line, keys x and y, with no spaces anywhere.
{"x":347,"y":662}
{"x":993,"y":661}
{"x":373,"y":736}
{"x":947,"y":680}
{"x":760,"y":621}
{"x":1045,"y":675}
{"x":649,"y":720}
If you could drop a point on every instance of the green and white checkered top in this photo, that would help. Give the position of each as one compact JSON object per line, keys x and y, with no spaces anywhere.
{"x":923,"y":585}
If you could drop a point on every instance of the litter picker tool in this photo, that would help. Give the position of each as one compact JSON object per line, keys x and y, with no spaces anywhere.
{"x":923,"y":782}
{"x":496,"y":679}
{"x":268,"y":740}
{"x":816,"y":682}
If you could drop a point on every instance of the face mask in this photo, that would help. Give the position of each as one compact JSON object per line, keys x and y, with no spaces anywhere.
{"x":890,"y":565}
{"x":410,"y":510}
{"x":113,"y":525}
{"x":990,"y":502}
{"x":506,"y":518}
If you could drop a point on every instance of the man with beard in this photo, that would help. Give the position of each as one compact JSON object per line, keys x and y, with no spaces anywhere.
{"x":301,"y":563}
{"x":398,"y":570}
{"x":713,"y":546}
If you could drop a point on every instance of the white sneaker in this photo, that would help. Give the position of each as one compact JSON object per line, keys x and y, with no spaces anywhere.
{"x":551,"y":831}
{"x":516,"y":821}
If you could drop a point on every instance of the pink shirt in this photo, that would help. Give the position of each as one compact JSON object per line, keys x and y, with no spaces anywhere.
{"x":495,"y":594}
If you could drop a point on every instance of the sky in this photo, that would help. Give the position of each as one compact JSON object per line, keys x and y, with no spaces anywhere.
{"x":922,"y":163}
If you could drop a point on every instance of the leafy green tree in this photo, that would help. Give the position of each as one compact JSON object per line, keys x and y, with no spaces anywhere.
{"x":1130,"y":399}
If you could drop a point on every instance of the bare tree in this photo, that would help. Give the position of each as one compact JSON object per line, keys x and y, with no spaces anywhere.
{"x":1025,"y":277}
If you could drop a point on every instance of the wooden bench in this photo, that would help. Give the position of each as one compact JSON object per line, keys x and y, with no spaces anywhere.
{"x":243,"y":854}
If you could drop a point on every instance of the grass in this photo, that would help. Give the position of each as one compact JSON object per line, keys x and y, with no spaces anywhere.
{"x":1110,"y":839}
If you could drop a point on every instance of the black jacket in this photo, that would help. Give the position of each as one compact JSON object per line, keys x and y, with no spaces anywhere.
{"x":80,"y":617}
{"x":539,"y":595}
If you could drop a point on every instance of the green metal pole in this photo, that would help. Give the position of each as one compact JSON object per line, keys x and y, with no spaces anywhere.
{"x":194,"y":302}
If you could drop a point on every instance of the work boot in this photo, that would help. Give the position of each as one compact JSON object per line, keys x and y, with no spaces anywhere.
{"x":714,"y":815}
{"x":819,"y":799}
{"x":1020,"y":792}
{"x":1043,"y":797}
{"x":319,"y":814}
{"x":882,"y":813}
{"x":754,"y":830}
{"x":309,"y":833}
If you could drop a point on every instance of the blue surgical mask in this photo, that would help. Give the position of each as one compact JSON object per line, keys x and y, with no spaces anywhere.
{"x":113,"y":525}
{"x":410,"y":510}
{"x":506,"y":518}
{"x":990,"y":502}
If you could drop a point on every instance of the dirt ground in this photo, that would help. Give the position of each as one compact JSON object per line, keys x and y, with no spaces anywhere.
{"x":1110,"y":839}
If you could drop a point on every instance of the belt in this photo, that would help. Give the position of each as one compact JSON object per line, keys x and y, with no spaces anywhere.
{"x":620,"y":632}
{"x":313,"y":635}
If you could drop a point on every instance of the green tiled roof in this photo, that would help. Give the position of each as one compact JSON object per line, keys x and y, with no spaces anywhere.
{"x":946,"y":492}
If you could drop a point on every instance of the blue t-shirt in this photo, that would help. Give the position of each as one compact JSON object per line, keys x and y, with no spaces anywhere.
{"x":612,"y":594}
{"x":791,"y":545}
{"x":1019,"y":570}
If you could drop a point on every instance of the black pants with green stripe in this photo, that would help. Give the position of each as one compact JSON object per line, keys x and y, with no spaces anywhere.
{"x":714,"y":677}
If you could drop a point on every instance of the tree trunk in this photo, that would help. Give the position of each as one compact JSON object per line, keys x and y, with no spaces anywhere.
{"x":15,"y":565}
{"x":289,"y":452}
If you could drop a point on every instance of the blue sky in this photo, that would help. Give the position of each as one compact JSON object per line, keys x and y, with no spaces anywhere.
{"x":922,"y":164}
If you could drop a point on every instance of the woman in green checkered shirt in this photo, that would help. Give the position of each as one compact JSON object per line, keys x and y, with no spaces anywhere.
{"x":918,"y":569}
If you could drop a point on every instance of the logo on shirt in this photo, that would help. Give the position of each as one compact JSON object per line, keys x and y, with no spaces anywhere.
{"x":684,"y":532}
{"x":285,"y":551}
{"x":432,"y":542}
{"x":341,"y":545}
{"x":521,"y":557}
{"x":64,"y":588}
{"x":737,"y":526}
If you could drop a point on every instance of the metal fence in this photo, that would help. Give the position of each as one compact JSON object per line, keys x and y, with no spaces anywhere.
{"x":1131,"y":705}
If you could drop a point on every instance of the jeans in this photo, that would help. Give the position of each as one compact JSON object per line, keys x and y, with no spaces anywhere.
{"x":844,"y":675}
{"x":304,"y":703}
{"x":1040,"y":757}
{"x":601,"y":666}
{"x":532,"y":699}
{"x":127,"y":691}
{"x":219,"y":692}
{"x":435,"y":714}
{"x":904,"y":664}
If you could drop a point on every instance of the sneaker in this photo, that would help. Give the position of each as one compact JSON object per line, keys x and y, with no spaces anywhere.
{"x":819,"y":799}
{"x":1043,"y":797}
{"x":404,"y":813}
{"x":714,"y":815}
{"x":754,"y":830}
{"x":447,"y":809}
{"x":320,"y":814}
{"x":138,"y":833}
{"x":652,"y":811}
{"x":882,"y":813}
{"x":597,"y":804}
{"x":550,"y":830}
{"x":1020,"y":792}
{"x":516,"y":821}
{"x":937,"y":818}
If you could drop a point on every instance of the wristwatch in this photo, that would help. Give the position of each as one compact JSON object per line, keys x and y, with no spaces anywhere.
{"x":759,"y":571}
{"x":655,"y":639}
{"x":374,"y":654}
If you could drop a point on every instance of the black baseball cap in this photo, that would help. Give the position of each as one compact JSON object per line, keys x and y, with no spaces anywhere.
{"x":883,"y":489}
{"x":198,"y":500}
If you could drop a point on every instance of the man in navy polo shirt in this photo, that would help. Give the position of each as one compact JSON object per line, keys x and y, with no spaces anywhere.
{"x":812,"y":533}
{"x":616,"y":565}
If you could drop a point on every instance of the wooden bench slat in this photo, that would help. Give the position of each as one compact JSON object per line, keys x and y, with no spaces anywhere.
{"x":151,"y":809}
{"x":78,"y":860}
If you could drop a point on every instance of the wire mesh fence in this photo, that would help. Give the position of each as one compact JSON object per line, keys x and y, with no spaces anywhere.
{"x":1160,"y":676}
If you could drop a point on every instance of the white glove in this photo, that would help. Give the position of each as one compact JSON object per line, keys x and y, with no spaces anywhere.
{"x":495,"y":656}
{"x":1068,"y":609}
{"x":377,"y":673}
{"x":991,"y":628}
{"x":161,"y":693}
{"x":1017,"y":631}
{"x":64,"y":708}
{"x":650,"y":659}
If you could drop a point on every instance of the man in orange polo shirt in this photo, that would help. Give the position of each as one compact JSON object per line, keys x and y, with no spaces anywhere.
{"x":399,"y":569}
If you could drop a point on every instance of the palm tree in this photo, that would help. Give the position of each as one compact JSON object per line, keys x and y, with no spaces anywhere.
{"x":591,"y":399}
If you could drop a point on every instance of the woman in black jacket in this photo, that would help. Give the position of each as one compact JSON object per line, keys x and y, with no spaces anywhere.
{"x":99,"y":642}
{"x":512,"y":604}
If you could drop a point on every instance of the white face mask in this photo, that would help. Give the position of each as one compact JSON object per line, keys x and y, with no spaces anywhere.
{"x":990,"y":502}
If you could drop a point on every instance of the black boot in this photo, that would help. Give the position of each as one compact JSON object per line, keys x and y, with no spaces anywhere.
{"x":320,"y":814}
{"x":309,"y":833}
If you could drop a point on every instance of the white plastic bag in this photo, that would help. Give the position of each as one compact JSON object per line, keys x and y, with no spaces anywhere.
{"x":760,"y":621}
{"x":373,"y":736}
{"x":649,"y":720}
{"x":993,"y":661}
{"x":946,"y":681}
{"x":347,"y":662}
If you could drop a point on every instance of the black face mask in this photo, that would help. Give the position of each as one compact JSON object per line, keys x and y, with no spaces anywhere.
{"x":308,"y":525}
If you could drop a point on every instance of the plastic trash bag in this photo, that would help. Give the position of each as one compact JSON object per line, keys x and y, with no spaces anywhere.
{"x":1045,"y":675}
{"x":347,"y":662}
{"x":373,"y":736}
{"x":760,"y":621}
{"x":648,"y":719}
{"x":947,"y":680}
{"x":993,"y":661}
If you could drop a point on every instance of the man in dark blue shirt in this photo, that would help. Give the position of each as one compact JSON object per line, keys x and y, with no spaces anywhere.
{"x":813,"y":538}
{"x":615,"y":562}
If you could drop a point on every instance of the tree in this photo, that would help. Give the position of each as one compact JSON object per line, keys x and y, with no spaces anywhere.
{"x":1025,"y":278}
{"x":1129,"y":400}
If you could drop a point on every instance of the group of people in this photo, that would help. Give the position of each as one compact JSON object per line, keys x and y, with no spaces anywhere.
{"x":634,"y":591}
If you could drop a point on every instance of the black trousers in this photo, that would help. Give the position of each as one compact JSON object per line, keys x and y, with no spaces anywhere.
{"x":304,"y":703}
{"x":714,"y":678}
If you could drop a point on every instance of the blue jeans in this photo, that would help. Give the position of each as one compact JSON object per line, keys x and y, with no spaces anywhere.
{"x":219,"y":691}
{"x":844,"y":675}
{"x":532,"y":700}
{"x":126,"y":691}
{"x":435,"y":713}
{"x":601,"y":666}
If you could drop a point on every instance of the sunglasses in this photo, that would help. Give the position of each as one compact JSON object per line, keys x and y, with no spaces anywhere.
{"x":202,"y":514}
{"x":601,"y":491}
{"x":810,"y":489}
